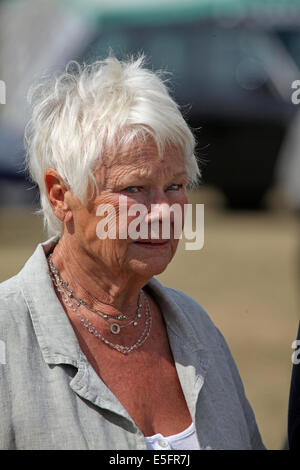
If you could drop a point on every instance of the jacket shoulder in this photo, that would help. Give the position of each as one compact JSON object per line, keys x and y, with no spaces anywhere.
{"x":12,"y":302}
{"x":192,"y":309}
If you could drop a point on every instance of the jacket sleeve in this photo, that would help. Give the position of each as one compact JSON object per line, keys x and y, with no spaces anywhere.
{"x":7,"y":439}
{"x":256,"y":440}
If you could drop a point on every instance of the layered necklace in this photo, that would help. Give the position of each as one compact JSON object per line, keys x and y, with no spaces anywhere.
{"x":71,"y":300}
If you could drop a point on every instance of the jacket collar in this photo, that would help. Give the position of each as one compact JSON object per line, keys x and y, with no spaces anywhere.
{"x":54,"y":332}
{"x":59,"y":344}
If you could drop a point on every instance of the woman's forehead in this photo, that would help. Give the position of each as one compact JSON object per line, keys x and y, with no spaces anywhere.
{"x":138,"y":154}
{"x":140,"y":160}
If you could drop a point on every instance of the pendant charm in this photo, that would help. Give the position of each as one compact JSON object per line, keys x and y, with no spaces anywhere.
{"x":115,"y":328}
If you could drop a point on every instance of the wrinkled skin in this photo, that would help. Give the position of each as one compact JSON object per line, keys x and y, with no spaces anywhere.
{"x":108,"y":274}
{"x":114,"y":270}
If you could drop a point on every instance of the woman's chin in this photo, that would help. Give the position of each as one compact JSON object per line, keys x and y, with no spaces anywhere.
{"x":148,"y":260}
{"x":149,"y":268}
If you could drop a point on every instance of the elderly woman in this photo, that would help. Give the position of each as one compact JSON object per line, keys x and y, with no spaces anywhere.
{"x":100,"y":355}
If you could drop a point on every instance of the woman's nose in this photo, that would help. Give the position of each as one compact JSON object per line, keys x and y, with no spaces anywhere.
{"x":158,"y":206}
{"x":158,"y":211}
{"x":163,"y":218}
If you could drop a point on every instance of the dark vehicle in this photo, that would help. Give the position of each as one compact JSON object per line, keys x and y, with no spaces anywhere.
{"x":234,"y":85}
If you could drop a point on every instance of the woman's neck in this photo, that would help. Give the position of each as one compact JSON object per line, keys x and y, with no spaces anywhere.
{"x":92,"y":282}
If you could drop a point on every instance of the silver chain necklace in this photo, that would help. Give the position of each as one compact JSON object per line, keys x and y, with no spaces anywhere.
{"x":115,"y":328}
{"x":61,"y":287}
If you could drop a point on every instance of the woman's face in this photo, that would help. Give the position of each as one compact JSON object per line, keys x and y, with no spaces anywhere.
{"x":139,"y":174}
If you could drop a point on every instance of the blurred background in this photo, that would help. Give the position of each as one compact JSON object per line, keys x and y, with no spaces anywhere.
{"x":234,"y":68}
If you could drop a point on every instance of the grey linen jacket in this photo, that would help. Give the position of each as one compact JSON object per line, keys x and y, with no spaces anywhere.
{"x":51,"y":397}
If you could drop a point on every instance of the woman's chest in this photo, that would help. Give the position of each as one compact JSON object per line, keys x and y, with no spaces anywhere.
{"x":151,"y":393}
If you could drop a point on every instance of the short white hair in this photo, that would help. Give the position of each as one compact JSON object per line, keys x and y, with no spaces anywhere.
{"x":87,"y":111}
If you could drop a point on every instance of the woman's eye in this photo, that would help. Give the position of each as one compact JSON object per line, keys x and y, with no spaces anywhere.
{"x":132,"y":189}
{"x":174,"y":187}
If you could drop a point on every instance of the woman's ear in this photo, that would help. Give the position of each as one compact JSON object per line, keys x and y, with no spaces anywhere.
{"x":56,"y":193}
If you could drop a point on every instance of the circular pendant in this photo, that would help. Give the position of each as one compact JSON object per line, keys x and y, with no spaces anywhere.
{"x":115,"y":328}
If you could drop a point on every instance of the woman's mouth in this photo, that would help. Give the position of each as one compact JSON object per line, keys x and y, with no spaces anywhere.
{"x":153,"y":244}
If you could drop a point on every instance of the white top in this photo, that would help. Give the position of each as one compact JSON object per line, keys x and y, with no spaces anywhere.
{"x":185,"y":440}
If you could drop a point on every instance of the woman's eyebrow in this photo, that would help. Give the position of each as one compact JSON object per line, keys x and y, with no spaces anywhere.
{"x":181,"y":173}
{"x":127,"y":175}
